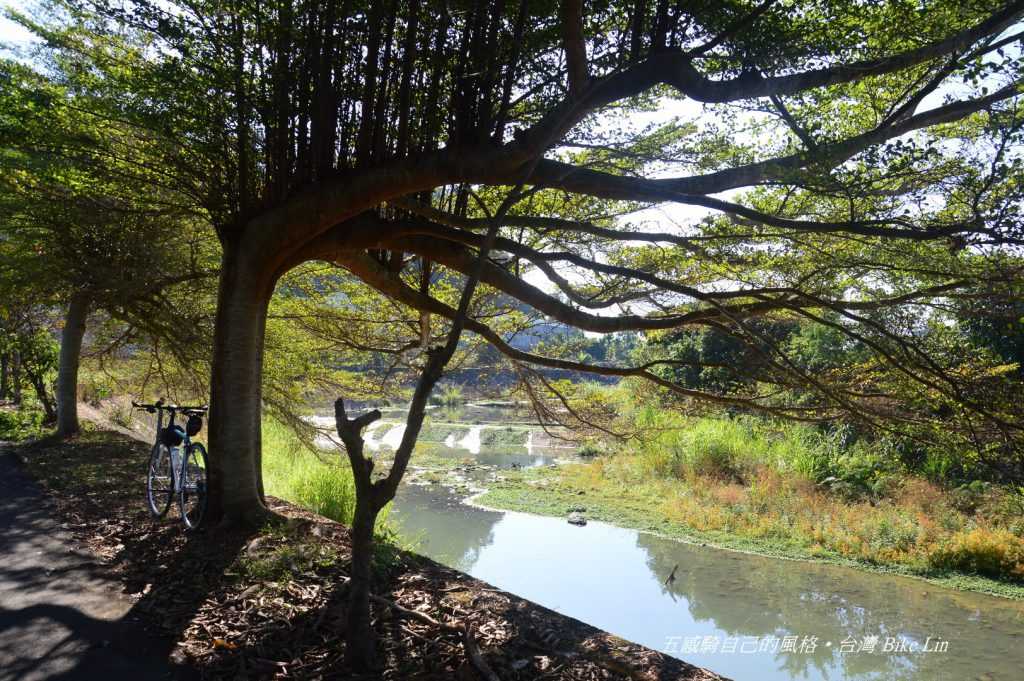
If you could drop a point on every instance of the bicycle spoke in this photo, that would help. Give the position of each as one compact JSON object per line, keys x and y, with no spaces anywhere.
{"x":159,"y":482}
{"x":192,"y":494}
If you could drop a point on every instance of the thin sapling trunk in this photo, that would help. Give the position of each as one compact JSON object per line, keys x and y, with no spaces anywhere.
{"x":16,"y":377}
{"x":39,"y":384}
{"x":373,"y":495}
{"x":5,"y":375}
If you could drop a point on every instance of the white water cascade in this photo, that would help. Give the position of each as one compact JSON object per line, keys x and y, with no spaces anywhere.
{"x":472,"y":440}
{"x":372,"y":443}
{"x":393,"y":437}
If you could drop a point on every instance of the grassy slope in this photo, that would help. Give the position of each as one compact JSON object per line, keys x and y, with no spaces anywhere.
{"x":639,"y":510}
{"x":319,"y":482}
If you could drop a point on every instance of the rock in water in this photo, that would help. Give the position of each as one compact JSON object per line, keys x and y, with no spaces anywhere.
{"x":577,"y":519}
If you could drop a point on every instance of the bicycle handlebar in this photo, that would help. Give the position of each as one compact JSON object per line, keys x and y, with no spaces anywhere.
{"x":159,"y":405}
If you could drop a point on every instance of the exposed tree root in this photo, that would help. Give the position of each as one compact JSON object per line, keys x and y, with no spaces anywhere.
{"x":475,"y":657}
{"x":473,"y":653}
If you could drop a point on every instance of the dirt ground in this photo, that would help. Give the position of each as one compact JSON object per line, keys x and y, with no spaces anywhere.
{"x":270,"y":604}
{"x":61,"y":618}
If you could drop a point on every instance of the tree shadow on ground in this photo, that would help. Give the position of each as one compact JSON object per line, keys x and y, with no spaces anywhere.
{"x":96,"y":486}
{"x":79,"y":647}
{"x":519,"y":639}
{"x":266,"y":604}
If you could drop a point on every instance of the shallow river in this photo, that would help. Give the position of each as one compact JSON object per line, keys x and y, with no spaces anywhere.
{"x":747,"y":617}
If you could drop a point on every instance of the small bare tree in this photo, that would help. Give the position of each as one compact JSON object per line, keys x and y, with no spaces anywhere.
{"x":373,"y":495}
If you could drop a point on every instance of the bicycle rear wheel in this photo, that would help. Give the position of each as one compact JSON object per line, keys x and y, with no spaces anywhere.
{"x":192,"y":493}
{"x":159,"y":481}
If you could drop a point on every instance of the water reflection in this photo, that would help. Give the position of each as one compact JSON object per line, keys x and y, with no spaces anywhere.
{"x":615,"y":579}
{"x":441,"y":526}
{"x":741,"y":595}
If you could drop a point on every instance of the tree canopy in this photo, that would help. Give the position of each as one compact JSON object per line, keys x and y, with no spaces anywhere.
{"x":721,"y":168}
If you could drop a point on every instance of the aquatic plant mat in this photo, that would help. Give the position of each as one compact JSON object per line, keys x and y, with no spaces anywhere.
{"x":270,"y":604}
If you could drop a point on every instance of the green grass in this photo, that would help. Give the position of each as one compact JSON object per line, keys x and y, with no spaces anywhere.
{"x":504,"y":436}
{"x":787,"y":490}
{"x":433,"y":431}
{"x":449,"y":396}
{"x":283,"y":556}
{"x":20,"y":424}
{"x":675,"y":446}
{"x":319,"y":481}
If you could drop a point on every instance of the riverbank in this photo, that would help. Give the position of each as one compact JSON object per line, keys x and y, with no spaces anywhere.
{"x":268,"y":604}
{"x":706,"y":511}
{"x":781,"y":490}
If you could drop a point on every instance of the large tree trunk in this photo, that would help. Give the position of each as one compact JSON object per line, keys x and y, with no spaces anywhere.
{"x":236,"y":485}
{"x":67,"y":371}
{"x":5,"y":385}
{"x":16,"y":377}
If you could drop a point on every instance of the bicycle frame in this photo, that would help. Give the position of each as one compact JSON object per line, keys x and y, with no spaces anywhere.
{"x":178,"y":454}
{"x":178,"y":461}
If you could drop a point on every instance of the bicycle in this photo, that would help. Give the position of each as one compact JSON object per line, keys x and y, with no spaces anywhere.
{"x":177,"y":466}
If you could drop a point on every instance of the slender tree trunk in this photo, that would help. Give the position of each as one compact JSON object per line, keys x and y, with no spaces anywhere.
{"x":5,"y":385}
{"x":67,"y":371}
{"x":361,"y":648}
{"x":371,"y":495}
{"x":16,"y":376}
{"x":236,"y":487}
{"x":39,"y":383}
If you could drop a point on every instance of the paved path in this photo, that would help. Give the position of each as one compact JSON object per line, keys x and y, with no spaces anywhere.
{"x":60,"y":618}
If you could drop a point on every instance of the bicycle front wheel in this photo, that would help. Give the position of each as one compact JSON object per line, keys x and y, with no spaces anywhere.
{"x":192,"y":493}
{"x":159,"y":481}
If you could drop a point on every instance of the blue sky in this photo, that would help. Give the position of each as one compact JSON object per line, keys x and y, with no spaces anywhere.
{"x":11,"y":33}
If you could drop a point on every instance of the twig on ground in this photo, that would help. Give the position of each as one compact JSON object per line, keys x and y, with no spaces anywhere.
{"x":465,"y":631}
